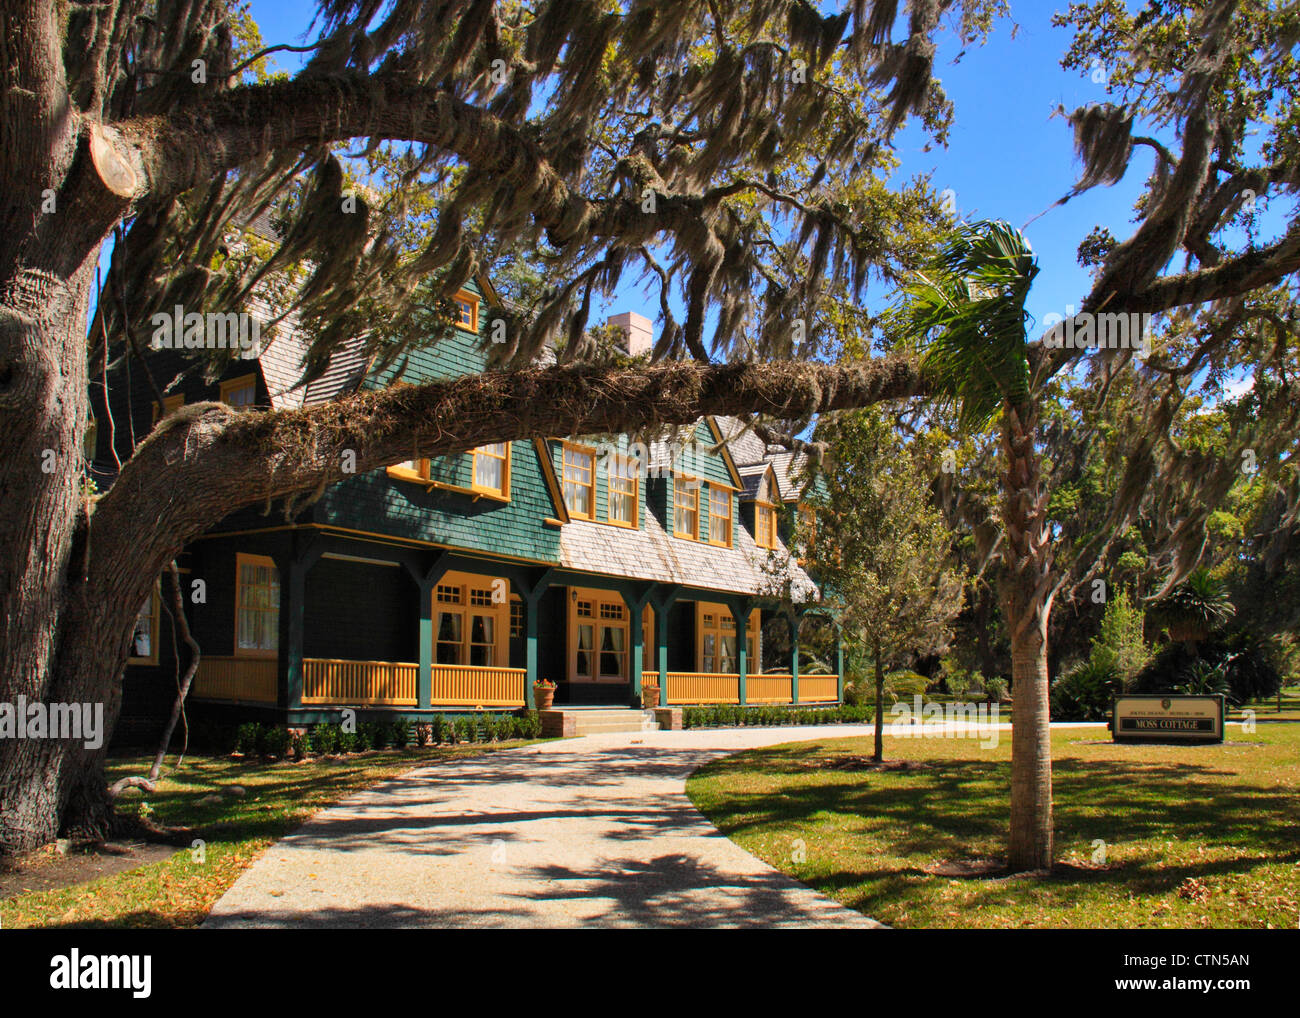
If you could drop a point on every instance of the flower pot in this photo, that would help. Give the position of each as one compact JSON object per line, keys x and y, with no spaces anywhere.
{"x":543,"y":697}
{"x":649,"y":696}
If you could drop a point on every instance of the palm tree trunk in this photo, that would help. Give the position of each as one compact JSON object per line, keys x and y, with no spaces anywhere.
{"x":1027,"y":602}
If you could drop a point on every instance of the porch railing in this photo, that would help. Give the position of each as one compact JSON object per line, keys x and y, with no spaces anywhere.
{"x":246,"y":679}
{"x":392,"y":683}
{"x":818,"y":689}
{"x":703,"y":687}
{"x":473,"y":686}
{"x":769,"y":688}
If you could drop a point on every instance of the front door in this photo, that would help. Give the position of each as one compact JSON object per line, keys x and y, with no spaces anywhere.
{"x":598,"y":646}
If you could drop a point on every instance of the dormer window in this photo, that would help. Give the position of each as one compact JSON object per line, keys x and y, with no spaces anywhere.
{"x":765,"y":525}
{"x":623,"y":489}
{"x":466,"y":311}
{"x":686,"y":502}
{"x":719,"y":515}
{"x":492,"y":469}
{"x":240,"y":393}
{"x":579,"y":482}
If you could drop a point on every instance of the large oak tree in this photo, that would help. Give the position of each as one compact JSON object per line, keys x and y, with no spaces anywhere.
{"x":717,"y":148}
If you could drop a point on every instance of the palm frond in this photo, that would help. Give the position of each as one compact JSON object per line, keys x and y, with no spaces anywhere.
{"x":967,"y":316}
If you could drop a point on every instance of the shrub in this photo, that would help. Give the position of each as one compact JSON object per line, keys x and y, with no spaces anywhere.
{"x":463,"y":729}
{"x":381,"y":734}
{"x":996,"y":687}
{"x":301,"y":746}
{"x":439,"y":730}
{"x":247,"y":737}
{"x":402,"y":733}
{"x":1084,"y":693}
{"x":365,"y":737}
{"x":325,"y":738}
{"x":1247,"y":663}
{"x":275,"y":741}
{"x":347,"y":742}
{"x":903,"y":685}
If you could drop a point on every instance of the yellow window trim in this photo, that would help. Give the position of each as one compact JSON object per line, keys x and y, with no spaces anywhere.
{"x":729,"y":517}
{"x":501,"y":494}
{"x":591,"y":485}
{"x":596,"y":596}
{"x":753,"y":624}
{"x":696,"y":487}
{"x":761,"y":534}
{"x":635,"y":524}
{"x":239,"y":383}
{"x":155,"y":602}
{"x":473,"y":301}
{"x":264,"y":560}
{"x":170,"y":405}
{"x":498,"y":610}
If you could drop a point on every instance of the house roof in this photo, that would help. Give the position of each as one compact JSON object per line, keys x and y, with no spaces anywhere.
{"x":650,"y":553}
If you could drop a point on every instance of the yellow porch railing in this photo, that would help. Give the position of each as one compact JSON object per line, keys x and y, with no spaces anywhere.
{"x":768,"y":688}
{"x":325,"y":680}
{"x":246,"y":679}
{"x":703,"y":687}
{"x":473,"y":686}
{"x":818,"y":689}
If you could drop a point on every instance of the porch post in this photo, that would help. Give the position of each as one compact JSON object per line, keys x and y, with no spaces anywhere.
{"x":297,"y":622}
{"x":839,"y":668}
{"x":792,"y":617}
{"x":740,"y":612}
{"x":302,"y":557}
{"x":530,"y":645}
{"x":424,"y":681}
{"x":661,"y":650}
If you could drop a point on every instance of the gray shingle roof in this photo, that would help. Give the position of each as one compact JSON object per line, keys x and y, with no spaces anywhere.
{"x":652,"y":554}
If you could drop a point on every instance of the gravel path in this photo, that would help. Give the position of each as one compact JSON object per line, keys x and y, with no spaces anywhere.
{"x":590,"y":832}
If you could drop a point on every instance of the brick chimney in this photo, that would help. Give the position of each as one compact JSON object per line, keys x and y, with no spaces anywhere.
{"x":640,"y":334}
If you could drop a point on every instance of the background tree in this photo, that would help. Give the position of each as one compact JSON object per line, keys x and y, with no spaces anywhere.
{"x":881,"y":549}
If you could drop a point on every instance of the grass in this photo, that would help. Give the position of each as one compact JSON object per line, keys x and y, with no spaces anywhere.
{"x":1195,"y":836}
{"x":179,"y":892}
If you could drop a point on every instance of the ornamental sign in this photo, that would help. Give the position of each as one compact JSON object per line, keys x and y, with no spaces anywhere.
{"x":1167,"y":717}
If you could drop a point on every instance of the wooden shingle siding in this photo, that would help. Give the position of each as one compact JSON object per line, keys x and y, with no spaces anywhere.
{"x":358,"y":611}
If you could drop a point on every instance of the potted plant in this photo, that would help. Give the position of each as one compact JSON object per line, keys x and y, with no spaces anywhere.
{"x":649,"y":697}
{"x":544,"y":693}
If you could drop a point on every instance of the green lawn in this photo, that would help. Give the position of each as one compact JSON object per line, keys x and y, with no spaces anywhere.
{"x":179,"y":892}
{"x":1195,"y":835}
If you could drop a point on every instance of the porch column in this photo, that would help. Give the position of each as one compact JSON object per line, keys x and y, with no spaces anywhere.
{"x":793,"y":619}
{"x":839,"y":667}
{"x":741,"y":614}
{"x":424,"y":680}
{"x":302,"y":557}
{"x":530,"y":646}
{"x":661,"y":649}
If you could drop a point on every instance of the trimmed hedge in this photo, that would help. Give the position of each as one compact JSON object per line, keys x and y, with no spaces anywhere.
{"x":726,"y":715}
{"x":252,"y":738}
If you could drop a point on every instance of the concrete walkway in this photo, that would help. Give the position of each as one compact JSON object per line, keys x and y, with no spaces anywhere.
{"x":590,"y":832}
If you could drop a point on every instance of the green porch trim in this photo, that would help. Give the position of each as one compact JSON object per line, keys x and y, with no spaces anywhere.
{"x":636,"y":597}
{"x":305,"y":553}
{"x":662,"y":602}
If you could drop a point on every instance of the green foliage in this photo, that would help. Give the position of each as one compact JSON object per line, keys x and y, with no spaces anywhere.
{"x":1248,"y":665}
{"x":725,"y":715}
{"x":1195,"y":607}
{"x":1084,"y":693}
{"x":275,"y":741}
{"x":968,"y":313}
{"x":996,"y":688}
{"x":903,"y":685}
{"x":1119,"y":642}
{"x":402,"y":732}
{"x":247,"y":737}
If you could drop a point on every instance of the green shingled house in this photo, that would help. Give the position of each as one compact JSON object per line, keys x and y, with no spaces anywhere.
{"x":625,"y":573}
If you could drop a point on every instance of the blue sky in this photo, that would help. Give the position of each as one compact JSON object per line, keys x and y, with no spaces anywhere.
{"x":1006,"y":158}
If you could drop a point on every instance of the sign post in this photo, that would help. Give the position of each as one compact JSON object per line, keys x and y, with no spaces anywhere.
{"x":1167,"y":717}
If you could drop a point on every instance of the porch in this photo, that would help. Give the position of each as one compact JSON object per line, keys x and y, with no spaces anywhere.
{"x":357,"y":625}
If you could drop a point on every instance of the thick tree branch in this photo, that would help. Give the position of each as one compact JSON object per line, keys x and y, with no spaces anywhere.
{"x":206,"y":461}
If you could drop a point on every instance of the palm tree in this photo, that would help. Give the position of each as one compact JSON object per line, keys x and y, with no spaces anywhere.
{"x":1195,"y":607}
{"x":967,"y":314}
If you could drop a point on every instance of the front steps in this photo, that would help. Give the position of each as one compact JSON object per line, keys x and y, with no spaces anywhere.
{"x":570,"y":721}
